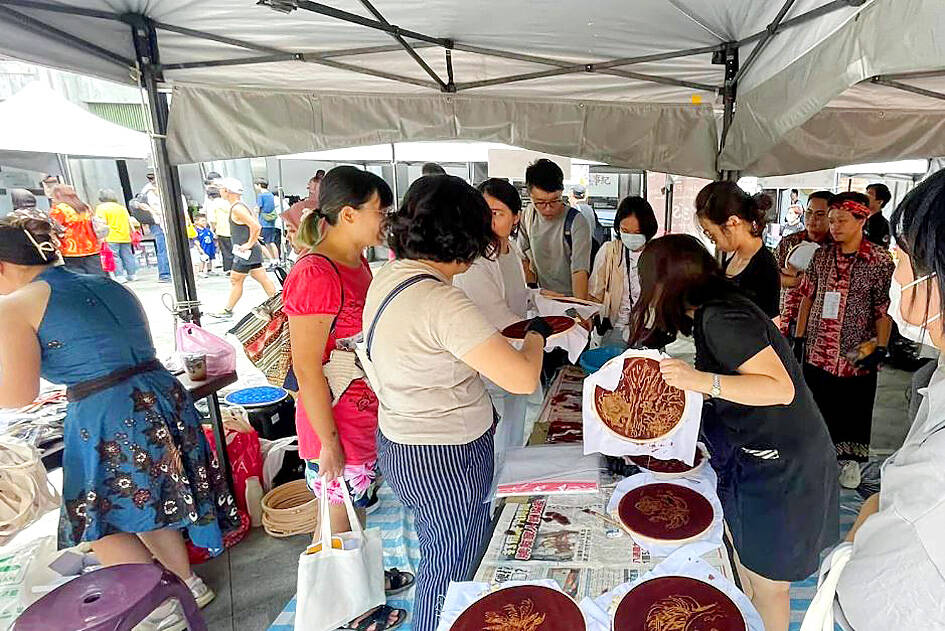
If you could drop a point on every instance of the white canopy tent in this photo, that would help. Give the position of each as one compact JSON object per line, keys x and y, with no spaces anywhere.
{"x":691,"y":87}
{"x":815,"y":83}
{"x":58,"y":126}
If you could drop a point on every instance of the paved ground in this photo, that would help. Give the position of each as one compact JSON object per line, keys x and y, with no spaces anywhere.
{"x":256,"y":581}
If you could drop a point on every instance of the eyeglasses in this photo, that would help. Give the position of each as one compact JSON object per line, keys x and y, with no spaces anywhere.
{"x":551,"y":203}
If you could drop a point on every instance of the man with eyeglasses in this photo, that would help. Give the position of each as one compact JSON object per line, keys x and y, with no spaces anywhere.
{"x":817,"y":231}
{"x":554,"y":238}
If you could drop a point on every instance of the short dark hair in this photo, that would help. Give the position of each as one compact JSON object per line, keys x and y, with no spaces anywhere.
{"x":22,"y":198}
{"x":850,"y":196}
{"x":723,"y":199}
{"x":544,"y":174}
{"x":261,"y":181}
{"x":827,"y":196}
{"x":918,"y":226}
{"x":795,"y":191}
{"x":503,"y":191}
{"x":677,"y":273}
{"x":881,"y":192}
{"x":443,"y":219}
{"x":432,"y":168}
{"x":319,"y":174}
{"x":636,"y":206}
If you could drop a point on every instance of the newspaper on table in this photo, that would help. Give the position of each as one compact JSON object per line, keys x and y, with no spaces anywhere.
{"x":679,"y":445}
{"x":556,"y":538}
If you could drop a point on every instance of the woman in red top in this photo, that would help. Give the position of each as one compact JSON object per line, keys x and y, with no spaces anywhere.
{"x":79,"y":246}
{"x":324,"y":295}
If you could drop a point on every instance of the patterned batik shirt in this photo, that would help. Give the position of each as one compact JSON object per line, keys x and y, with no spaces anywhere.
{"x":791,"y":296}
{"x":862,"y":280}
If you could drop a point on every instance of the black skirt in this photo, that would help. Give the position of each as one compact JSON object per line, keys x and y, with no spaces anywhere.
{"x":846,"y":404}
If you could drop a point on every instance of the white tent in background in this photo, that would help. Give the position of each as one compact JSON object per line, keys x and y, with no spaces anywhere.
{"x":644,"y":84}
{"x":37,"y":124}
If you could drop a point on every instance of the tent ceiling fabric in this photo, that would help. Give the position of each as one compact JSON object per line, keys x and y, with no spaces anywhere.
{"x":668,"y":122}
{"x":66,"y":128}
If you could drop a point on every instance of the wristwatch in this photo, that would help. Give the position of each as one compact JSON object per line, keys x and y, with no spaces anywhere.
{"x":716,"y":386}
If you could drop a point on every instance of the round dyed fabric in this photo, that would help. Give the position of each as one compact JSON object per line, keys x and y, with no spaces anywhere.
{"x":521,"y":608}
{"x":665,"y":512}
{"x":643,"y":407}
{"x":256,"y":396}
{"x":558,"y":324}
{"x":677,"y":603}
{"x":667,"y":466}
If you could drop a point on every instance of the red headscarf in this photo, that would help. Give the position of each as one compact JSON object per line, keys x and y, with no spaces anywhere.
{"x":856,"y":209}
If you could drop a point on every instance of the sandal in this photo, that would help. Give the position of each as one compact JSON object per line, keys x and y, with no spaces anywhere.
{"x":398,"y":581}
{"x":378,"y":619}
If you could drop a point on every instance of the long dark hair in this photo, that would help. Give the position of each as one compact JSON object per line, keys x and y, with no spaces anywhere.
{"x":677,"y":273}
{"x":918,"y":226}
{"x":720,"y":200}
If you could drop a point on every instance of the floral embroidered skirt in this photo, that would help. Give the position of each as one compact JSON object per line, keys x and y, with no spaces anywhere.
{"x":136,"y":460}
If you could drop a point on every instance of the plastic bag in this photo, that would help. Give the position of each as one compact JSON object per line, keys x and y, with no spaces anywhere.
{"x":242,"y":447}
{"x":273,"y":457}
{"x":221,"y":356}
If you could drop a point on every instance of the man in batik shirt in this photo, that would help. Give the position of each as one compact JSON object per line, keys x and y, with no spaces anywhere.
{"x":843,"y":330}
{"x":817,"y":231}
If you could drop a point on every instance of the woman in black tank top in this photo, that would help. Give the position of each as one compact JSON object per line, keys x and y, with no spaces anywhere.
{"x":247,"y":253}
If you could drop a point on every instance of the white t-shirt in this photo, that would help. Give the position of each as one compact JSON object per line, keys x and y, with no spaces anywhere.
{"x":497,"y":288}
{"x":427,"y":395}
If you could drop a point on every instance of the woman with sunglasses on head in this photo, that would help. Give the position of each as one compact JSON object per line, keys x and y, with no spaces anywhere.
{"x":497,"y":286}
{"x":137,"y":471}
{"x":734,"y":221}
{"x":615,"y":280}
{"x":323,"y":295}
{"x":895,"y":576}
{"x":768,"y":442}
{"x":427,"y":344}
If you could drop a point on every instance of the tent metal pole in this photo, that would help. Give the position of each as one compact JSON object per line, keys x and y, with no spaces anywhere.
{"x":354,"y":18}
{"x":589,"y":68}
{"x":215,"y":63}
{"x":927,"y":74}
{"x":410,"y":51}
{"x":144,"y":36}
{"x":822,"y":10}
{"x":765,"y":39}
{"x":331,"y":63}
{"x":223,"y":39}
{"x":61,"y":8}
{"x":908,"y":88}
{"x":729,"y":94}
{"x":39,"y":27}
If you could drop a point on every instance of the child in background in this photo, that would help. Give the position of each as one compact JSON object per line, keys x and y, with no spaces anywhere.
{"x":206,"y":244}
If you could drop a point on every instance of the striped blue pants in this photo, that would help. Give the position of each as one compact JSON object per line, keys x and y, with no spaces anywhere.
{"x":446,"y":487}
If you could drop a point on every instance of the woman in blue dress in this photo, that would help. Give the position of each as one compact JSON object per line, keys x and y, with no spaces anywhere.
{"x":137,"y":471}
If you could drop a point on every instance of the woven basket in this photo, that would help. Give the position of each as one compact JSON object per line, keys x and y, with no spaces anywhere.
{"x":290,"y":509}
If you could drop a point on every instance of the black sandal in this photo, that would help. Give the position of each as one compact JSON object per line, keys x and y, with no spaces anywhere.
{"x":399,"y":581}
{"x":379,"y":619}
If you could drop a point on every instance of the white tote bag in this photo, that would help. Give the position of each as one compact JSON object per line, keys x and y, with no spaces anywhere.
{"x":336,"y":586}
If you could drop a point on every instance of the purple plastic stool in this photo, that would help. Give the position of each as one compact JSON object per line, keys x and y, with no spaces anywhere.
{"x":114,"y":598}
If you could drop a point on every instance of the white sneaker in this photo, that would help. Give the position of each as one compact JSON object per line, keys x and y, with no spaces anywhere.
{"x":167,"y":617}
{"x":849,"y":474}
{"x":202,"y":594}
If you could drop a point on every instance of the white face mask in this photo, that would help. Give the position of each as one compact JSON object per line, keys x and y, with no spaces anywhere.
{"x":633,"y":242}
{"x":914,"y":332}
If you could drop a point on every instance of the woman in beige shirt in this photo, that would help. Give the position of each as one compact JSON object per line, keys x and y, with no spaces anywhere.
{"x":426,"y":345}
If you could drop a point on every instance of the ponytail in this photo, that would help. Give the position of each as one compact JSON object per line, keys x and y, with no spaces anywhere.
{"x":341,"y":187}
{"x":720,"y":200}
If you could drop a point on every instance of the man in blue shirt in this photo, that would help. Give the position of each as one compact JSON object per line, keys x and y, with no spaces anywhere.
{"x":270,"y":235}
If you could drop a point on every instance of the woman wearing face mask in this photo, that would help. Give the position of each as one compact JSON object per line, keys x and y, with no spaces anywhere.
{"x":497,"y":286}
{"x":895,"y":576}
{"x":734,"y":221}
{"x":615,"y":281}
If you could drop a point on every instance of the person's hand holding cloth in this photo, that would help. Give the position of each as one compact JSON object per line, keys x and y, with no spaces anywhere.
{"x":540,"y":326}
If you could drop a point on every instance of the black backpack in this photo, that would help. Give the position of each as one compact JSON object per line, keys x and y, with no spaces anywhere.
{"x":597,"y":230}
{"x":144,"y":216}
